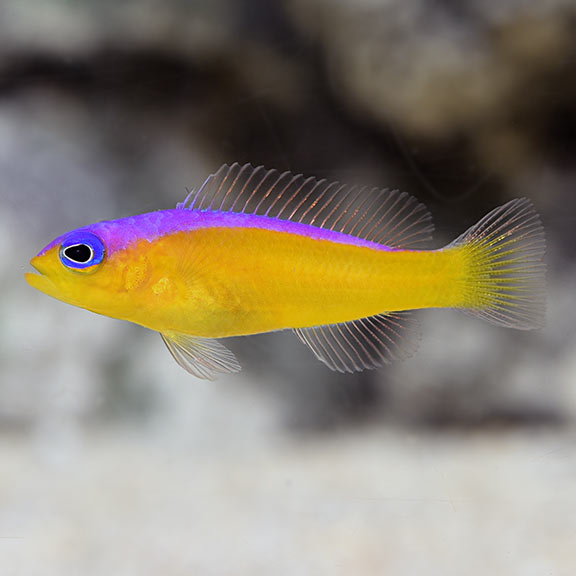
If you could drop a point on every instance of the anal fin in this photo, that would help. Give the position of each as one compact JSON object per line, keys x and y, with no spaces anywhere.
{"x":365,"y":343}
{"x":202,"y":357}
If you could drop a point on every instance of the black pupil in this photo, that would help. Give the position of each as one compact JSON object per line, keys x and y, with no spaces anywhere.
{"x":80,"y":253}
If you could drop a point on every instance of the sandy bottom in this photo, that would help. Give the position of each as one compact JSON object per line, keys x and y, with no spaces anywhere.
{"x":372,"y":503}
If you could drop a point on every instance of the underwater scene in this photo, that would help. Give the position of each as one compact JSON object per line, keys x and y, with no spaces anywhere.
{"x":288,"y":287}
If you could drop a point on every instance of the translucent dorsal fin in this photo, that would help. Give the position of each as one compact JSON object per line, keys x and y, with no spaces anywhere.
{"x":363,"y":344}
{"x":384,"y":216}
{"x":201,"y":357}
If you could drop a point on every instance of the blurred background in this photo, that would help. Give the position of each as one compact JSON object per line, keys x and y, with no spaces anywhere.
{"x":115,"y":462}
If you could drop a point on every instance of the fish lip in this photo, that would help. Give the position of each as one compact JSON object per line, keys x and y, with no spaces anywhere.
{"x":36,"y":263}
{"x":38,"y":271}
{"x":39,"y":279}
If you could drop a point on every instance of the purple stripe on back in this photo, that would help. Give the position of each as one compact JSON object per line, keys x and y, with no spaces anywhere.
{"x":118,"y":234}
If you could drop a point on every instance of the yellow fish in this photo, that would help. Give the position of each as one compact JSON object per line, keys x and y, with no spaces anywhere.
{"x":255,"y":250}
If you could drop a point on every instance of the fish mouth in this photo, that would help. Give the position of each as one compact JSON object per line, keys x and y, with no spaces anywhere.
{"x":36,"y":263}
{"x":38,"y":279}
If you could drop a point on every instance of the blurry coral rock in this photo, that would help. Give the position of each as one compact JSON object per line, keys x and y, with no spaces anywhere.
{"x":439,"y":70}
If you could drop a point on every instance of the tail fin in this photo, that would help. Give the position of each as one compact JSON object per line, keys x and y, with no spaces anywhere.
{"x":506,"y":270}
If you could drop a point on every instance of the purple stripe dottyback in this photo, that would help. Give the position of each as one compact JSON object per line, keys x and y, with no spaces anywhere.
{"x":118,"y":234}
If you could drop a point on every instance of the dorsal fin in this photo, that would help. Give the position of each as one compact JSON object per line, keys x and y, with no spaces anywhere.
{"x":384,"y":216}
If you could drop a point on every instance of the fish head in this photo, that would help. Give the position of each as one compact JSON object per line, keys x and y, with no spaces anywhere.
{"x":75,"y":268}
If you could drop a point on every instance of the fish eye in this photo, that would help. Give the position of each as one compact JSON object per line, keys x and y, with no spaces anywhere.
{"x":80,"y":253}
{"x":81,"y":250}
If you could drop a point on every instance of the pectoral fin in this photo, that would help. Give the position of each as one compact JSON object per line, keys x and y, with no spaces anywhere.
{"x":202,"y":357}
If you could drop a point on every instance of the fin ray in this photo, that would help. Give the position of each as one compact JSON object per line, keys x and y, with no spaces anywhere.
{"x":507,"y":271}
{"x":383,"y":216}
{"x":202,"y":357}
{"x":362,"y":344}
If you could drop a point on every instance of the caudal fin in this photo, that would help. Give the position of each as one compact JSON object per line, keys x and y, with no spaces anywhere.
{"x":505,"y":283}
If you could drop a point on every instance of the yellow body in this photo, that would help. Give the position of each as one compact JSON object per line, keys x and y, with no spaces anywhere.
{"x":218,"y":282}
{"x":196,"y":275}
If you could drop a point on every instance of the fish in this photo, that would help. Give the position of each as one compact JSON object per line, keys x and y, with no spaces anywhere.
{"x":254,"y":250}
